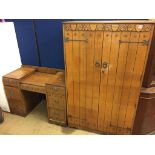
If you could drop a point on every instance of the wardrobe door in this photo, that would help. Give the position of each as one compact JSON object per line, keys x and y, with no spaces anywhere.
{"x":123,"y":63}
{"x":83,"y":53}
{"x":93,"y":76}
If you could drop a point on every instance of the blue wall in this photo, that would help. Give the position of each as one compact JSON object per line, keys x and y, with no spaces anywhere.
{"x":26,"y":42}
{"x":50,"y":42}
{"x":40,"y":42}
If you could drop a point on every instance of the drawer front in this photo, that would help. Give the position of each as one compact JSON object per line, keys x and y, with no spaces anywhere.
{"x":56,"y":97}
{"x":10,"y":82}
{"x":33,"y":88}
{"x":12,"y":93}
{"x":57,"y":115}
{"x":55,"y":90}
{"x":15,"y":100}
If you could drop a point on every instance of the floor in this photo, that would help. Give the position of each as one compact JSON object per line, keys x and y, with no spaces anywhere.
{"x":35,"y":123}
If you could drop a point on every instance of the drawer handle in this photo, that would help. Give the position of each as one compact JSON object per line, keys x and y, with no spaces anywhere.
{"x":54,"y":88}
{"x":11,"y":93}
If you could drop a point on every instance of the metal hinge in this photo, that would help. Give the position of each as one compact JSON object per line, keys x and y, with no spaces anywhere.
{"x":144,"y":42}
{"x":67,"y":39}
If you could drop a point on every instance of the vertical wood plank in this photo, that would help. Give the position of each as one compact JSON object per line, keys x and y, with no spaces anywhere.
{"x":96,"y":77}
{"x":121,"y":63}
{"x":111,"y":77}
{"x":82,"y":65}
{"x":69,"y":77}
{"x":132,"y":50}
{"x":76,"y":68}
{"x":104,"y":79}
{"x":136,"y":81}
{"x":89,"y":72}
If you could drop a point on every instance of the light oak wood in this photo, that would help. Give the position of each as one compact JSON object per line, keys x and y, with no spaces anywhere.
{"x":104,"y":81}
{"x":38,"y":79}
{"x":130,"y":62}
{"x":112,"y":82}
{"x":114,"y":21}
{"x":119,"y":79}
{"x":141,"y":56}
{"x":89,"y":79}
{"x":106,"y":97}
{"x":82,"y":79}
{"x":96,"y":78}
{"x":23,"y":85}
{"x":76,"y":85}
{"x":69,"y":68}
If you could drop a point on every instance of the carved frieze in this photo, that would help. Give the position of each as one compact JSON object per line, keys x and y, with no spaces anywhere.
{"x":108,"y":27}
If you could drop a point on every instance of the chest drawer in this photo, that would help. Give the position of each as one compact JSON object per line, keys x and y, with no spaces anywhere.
{"x":56,"y":97}
{"x":13,"y":93}
{"x":10,"y":82}
{"x":15,"y":100}
{"x":57,"y":116}
{"x":55,"y":90}
{"x":33,"y":88}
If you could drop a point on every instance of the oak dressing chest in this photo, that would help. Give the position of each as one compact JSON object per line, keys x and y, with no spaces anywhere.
{"x":23,"y":86}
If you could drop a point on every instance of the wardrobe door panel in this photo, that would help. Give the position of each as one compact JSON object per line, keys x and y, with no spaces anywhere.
{"x":89,"y":79}
{"x":69,"y":74}
{"x":128,"y":74}
{"x":83,"y":76}
{"x":76,"y":84}
{"x":104,"y":79}
{"x":121,"y":79}
{"x":119,"y":75}
{"x":93,"y":87}
{"x":83,"y":54}
{"x":138,"y":70}
{"x":99,"y":37}
{"x":104,"y":69}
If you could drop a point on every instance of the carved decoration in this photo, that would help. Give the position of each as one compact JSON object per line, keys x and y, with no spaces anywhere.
{"x":86,"y":27}
{"x":131,"y":27}
{"x":93,"y":27}
{"x":147,"y":27}
{"x":115,"y":27}
{"x":108,"y":27}
{"x":73,"y":26}
{"x":99,"y":27}
{"x":79,"y":27}
{"x":67,"y":27}
{"x":123,"y":27}
{"x":139,"y":27}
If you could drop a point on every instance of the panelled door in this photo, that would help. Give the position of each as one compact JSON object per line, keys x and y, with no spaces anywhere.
{"x":104,"y":68}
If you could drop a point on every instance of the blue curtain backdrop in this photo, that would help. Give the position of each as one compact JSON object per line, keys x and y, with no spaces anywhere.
{"x":40,"y":41}
{"x":26,"y":41}
{"x":50,"y":42}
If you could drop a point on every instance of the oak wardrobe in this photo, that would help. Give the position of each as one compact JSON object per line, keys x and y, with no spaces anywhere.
{"x":105,"y":63}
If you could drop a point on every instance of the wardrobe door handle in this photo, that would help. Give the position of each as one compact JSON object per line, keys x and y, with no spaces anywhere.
{"x":97,"y":64}
{"x":105,"y":65}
